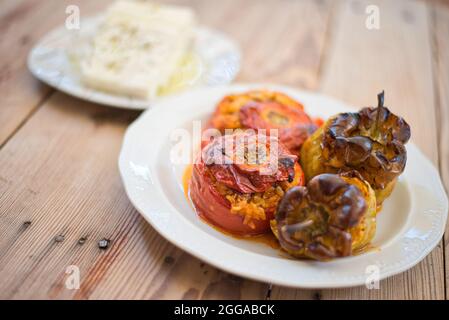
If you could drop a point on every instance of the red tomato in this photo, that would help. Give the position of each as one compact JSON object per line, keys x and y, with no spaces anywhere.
{"x":215,"y":209}
{"x":213,"y":206}
{"x":294,"y":125}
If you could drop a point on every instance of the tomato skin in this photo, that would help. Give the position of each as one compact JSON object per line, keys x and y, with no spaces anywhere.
{"x":214,"y":208}
{"x":211,"y":206}
{"x":294,"y":125}
{"x":256,"y":115}
{"x":218,"y":173}
{"x":226,"y":115}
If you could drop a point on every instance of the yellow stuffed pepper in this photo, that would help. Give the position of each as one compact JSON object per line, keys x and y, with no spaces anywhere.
{"x":370,"y":141}
{"x":334,"y":216}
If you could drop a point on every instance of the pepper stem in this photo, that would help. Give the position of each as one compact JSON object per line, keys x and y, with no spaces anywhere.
{"x":380,"y":99}
{"x":380,"y":106}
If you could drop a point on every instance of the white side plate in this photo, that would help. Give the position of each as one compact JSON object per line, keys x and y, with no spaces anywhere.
{"x":410,"y":224}
{"x":54,"y":61}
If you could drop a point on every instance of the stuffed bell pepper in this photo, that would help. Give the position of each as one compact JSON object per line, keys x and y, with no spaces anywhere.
{"x":371,"y":141}
{"x":334,"y":216}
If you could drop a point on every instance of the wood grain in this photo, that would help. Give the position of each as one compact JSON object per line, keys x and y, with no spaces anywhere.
{"x":281,"y":41}
{"x":61,"y":192}
{"x":441,"y":68}
{"x":397,"y":58}
{"x":22,"y":24}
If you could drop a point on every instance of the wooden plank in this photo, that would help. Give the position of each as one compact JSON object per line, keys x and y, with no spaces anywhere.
{"x":281,"y":41}
{"x":71,"y":190}
{"x":61,"y":192}
{"x":441,"y":67}
{"x":288,"y":47}
{"x":22,"y":24}
{"x":397,"y":58}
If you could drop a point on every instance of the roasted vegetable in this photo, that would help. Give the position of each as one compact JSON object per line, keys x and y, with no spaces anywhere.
{"x":227,"y":113}
{"x":294,"y":126}
{"x":265,"y":110}
{"x":332,"y":217}
{"x":239,"y":192}
{"x":370,"y":141}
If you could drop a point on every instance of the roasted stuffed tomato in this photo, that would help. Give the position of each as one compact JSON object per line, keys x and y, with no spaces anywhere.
{"x":371,"y":141}
{"x":265,"y":110}
{"x":333,"y":216}
{"x":236,"y":186}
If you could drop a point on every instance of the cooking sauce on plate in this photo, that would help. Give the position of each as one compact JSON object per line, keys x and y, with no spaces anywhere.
{"x":267,"y":239}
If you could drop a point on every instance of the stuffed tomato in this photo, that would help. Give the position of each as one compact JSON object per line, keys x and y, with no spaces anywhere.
{"x":262,"y":109}
{"x":238,"y":180}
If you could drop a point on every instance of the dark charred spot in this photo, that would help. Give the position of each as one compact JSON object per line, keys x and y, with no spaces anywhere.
{"x":370,"y":141}
{"x":328,"y":184}
{"x":287,"y":162}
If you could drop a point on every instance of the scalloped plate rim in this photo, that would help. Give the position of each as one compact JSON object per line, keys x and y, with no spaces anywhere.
{"x":263,"y":274}
{"x":80,"y":91}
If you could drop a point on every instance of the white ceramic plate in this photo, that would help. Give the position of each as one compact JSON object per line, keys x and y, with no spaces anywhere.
{"x":410,"y":224}
{"x":54,"y":60}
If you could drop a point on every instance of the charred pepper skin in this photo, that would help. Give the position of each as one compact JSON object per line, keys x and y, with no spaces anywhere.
{"x":371,"y":141}
{"x":332,"y":217}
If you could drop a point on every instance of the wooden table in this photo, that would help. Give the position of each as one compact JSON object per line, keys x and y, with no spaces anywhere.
{"x":60,"y":190}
